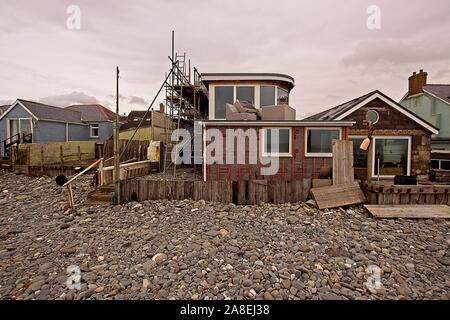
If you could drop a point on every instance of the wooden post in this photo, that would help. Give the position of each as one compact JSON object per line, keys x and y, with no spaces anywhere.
{"x":71,"y":201}
{"x":116,"y":142}
{"x":61,"y":154}
{"x":79,"y":154}
{"x":100,"y":173}
{"x":42,"y":159}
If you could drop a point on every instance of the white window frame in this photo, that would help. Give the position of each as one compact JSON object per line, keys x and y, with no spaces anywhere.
{"x":8,"y":129}
{"x":319,"y":154}
{"x":91,"y":127}
{"x":440,"y":164}
{"x":212,"y":96}
{"x":374,"y":162}
{"x":272,"y":154}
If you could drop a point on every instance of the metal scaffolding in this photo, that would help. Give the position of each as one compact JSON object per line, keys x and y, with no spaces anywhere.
{"x":186,"y":101}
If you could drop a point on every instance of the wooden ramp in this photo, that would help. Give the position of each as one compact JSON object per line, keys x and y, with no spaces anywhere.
{"x":410,"y":211}
{"x":338,"y":196}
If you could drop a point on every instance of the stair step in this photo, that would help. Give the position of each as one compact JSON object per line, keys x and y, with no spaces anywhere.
{"x":106,"y":189}
{"x":101,"y":197}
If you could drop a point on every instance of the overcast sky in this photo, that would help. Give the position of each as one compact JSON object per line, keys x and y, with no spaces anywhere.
{"x":325,"y":45}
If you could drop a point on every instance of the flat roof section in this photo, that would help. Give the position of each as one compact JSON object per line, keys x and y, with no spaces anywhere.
{"x":208,"y":77}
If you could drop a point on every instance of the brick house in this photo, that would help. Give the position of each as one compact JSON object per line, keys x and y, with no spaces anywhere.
{"x":401,"y":142}
{"x":273,"y":135}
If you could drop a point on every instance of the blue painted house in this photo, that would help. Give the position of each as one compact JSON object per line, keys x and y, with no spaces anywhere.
{"x":31,"y":122}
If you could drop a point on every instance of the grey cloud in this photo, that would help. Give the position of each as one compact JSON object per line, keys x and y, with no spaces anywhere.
{"x":398,"y":51}
{"x":64,"y":100}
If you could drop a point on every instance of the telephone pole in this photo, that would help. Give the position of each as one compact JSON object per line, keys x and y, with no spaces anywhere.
{"x":116,"y":143}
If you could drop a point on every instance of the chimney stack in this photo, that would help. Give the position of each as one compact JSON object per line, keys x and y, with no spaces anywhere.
{"x":416,"y":82}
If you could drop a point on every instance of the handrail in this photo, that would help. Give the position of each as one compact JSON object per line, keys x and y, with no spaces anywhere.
{"x":127,"y":165}
{"x":82,"y":172}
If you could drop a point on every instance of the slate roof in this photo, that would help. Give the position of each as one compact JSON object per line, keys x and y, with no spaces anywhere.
{"x":334,"y":112}
{"x":4,"y":108}
{"x":134,"y":118}
{"x":440,"y":90}
{"x":94,"y":112}
{"x":52,"y":113}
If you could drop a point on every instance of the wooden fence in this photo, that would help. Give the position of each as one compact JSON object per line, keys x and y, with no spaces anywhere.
{"x":241,"y":192}
{"x":52,"y":159}
{"x":408,"y":195}
{"x":136,"y":150}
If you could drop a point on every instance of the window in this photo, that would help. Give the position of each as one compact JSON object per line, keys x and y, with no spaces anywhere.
{"x":267,"y":96}
{"x":372,"y":116}
{"x":223,"y":95}
{"x":282,"y":96}
{"x":391,"y":156}
{"x":277,"y":142}
{"x":246,"y":94}
{"x":94,"y":130}
{"x":319,"y":141}
{"x":440,"y":164}
{"x":359,"y":156}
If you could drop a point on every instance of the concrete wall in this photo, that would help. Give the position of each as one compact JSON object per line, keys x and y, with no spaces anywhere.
{"x":432,"y":110}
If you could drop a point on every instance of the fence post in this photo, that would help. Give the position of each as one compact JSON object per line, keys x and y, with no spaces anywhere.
{"x":79,"y":154}
{"x":61,"y":155}
{"x":42,"y":159}
{"x":100,"y":175}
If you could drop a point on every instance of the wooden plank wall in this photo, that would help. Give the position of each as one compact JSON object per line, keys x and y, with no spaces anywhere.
{"x":241,"y":192}
{"x":136,"y":150}
{"x":395,"y":195}
{"x":343,"y":162}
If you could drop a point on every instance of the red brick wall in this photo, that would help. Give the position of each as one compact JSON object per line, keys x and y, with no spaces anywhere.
{"x":290,"y":168}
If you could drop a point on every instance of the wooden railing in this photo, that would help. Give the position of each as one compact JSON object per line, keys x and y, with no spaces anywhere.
{"x":68,"y":184}
{"x":127,"y":171}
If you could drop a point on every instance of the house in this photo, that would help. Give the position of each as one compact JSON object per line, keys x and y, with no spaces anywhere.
{"x":153,"y":125}
{"x":31,"y":122}
{"x":253,"y":134}
{"x":401,"y":139}
{"x":432,"y":103}
{"x":99,"y":119}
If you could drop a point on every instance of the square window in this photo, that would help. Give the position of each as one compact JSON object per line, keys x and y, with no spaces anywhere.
{"x":282,"y":96}
{"x":319,"y":141}
{"x":94,"y":130}
{"x":267,"y":96}
{"x":245,"y":94}
{"x":277,"y":142}
{"x":222,"y":95}
{"x":445,"y":164}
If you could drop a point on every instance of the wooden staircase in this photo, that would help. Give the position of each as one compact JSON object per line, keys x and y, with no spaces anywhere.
{"x":101,"y":196}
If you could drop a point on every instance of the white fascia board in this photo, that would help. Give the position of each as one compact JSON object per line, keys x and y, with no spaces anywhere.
{"x":281,"y":124}
{"x":408,"y":114}
{"x":17,"y":102}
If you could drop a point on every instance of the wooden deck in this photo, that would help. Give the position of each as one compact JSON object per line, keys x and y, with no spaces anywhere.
{"x":390,"y":194}
{"x":410,"y":211}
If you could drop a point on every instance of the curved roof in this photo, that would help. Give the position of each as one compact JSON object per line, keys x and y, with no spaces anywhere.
{"x":208,"y":77}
